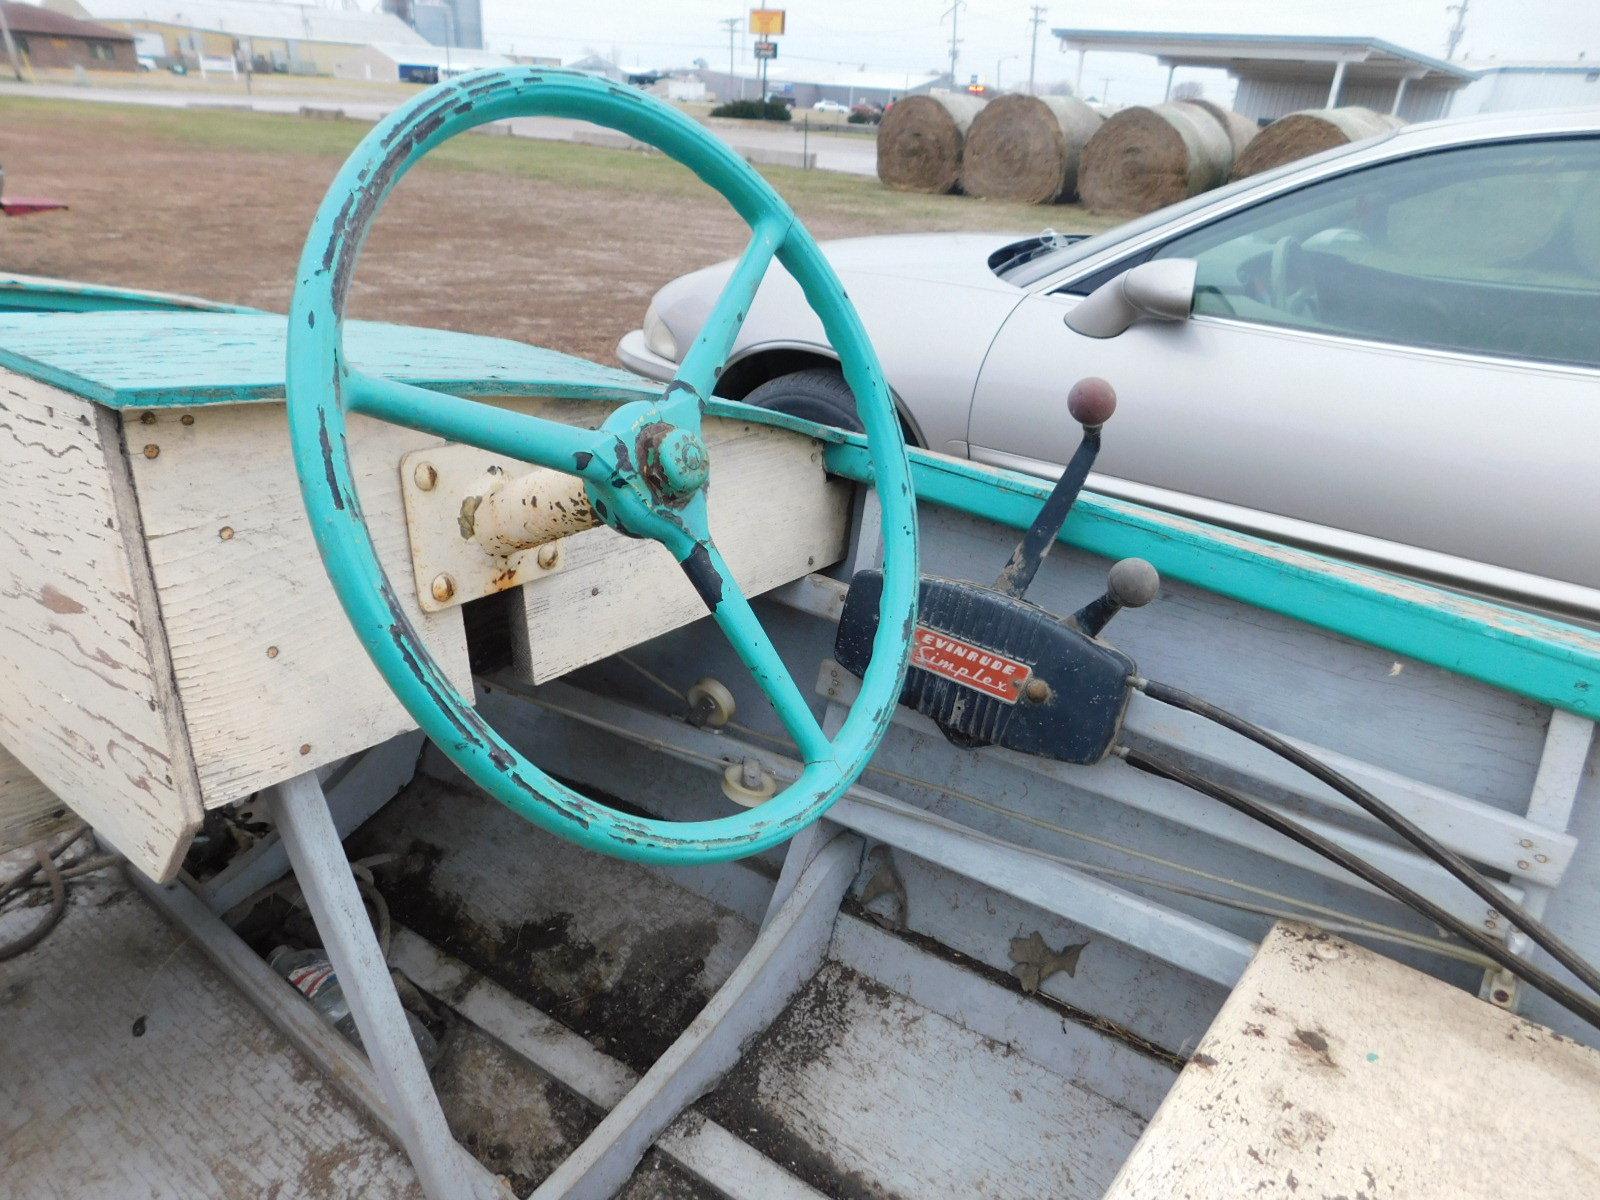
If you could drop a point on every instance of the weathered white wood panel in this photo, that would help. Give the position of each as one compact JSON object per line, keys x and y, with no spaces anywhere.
{"x":87,"y":703}
{"x":28,"y":810}
{"x":1334,"y":1071}
{"x":775,"y":515}
{"x":272,"y":678}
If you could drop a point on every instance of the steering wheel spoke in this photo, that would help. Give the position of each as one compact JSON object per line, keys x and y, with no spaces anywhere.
{"x":714,"y":581}
{"x":536,"y":440}
{"x":704,"y":362}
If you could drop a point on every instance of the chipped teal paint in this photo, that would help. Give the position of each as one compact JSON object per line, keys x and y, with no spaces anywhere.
{"x":1548,"y":661}
{"x":323,"y":385}
{"x":155,"y":360}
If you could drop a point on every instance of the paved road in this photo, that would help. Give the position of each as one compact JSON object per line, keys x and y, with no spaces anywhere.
{"x":853,"y":154}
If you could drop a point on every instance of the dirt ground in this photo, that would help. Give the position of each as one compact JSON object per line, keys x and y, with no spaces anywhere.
{"x":557,"y":262}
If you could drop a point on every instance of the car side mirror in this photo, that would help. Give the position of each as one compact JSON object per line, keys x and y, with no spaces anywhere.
{"x":1162,"y":288}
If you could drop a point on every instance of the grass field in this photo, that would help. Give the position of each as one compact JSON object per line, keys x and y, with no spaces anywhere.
{"x":543,"y":241}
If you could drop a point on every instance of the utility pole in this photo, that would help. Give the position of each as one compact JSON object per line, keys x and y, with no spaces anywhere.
{"x":1033,"y":48}
{"x":954,"y":13}
{"x":11,"y":46}
{"x":732,"y":24}
{"x":1458,"y":29}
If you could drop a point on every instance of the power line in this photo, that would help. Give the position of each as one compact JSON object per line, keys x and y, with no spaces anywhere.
{"x":1033,"y":48}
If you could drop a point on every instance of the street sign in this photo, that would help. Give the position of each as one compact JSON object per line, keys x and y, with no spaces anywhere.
{"x":766,"y":50}
{"x":767,"y":22}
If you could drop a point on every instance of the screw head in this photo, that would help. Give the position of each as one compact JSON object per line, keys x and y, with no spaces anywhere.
{"x":226,"y":533}
{"x":443,"y":588}
{"x":272,"y":652}
{"x":152,"y":450}
{"x":426,"y":476}
{"x":549,"y":555}
{"x":1036,"y":691}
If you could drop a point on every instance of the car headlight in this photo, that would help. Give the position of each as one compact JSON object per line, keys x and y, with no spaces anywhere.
{"x":658,"y":337}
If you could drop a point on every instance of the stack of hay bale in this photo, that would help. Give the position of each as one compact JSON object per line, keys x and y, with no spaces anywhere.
{"x":1048,"y":149}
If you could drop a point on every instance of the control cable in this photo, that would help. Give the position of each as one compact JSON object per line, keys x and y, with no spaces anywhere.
{"x":1537,"y":931}
{"x":1570,"y":999}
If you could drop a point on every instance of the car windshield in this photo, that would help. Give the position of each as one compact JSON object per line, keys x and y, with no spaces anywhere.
{"x":1031,"y":270}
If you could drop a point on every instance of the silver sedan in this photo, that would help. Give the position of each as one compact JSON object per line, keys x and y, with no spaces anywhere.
{"x":1390,"y":352}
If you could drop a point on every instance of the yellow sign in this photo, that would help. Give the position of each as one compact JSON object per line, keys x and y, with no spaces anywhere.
{"x":766,"y":22}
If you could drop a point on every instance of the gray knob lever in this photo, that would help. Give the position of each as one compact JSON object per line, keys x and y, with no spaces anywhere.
{"x":1132,"y":583}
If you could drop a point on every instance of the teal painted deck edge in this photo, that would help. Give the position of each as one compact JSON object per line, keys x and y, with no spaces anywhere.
{"x":1544,"y":660}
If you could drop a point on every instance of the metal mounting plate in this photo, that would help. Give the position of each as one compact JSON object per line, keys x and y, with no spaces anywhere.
{"x":439,"y":550}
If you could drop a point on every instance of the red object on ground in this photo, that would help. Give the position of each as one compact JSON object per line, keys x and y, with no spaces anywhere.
{"x":21,"y":206}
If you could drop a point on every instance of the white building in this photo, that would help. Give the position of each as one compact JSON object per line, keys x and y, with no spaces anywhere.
{"x":1279,"y":74}
{"x":1503,"y":86}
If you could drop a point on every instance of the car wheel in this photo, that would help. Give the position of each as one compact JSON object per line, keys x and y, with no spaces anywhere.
{"x":819,"y":394}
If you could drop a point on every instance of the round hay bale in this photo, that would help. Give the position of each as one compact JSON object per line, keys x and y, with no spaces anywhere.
{"x":1146,"y":158}
{"x":1026,"y":148}
{"x":1310,"y":132}
{"x":1241,"y":129}
{"x":919,"y":142}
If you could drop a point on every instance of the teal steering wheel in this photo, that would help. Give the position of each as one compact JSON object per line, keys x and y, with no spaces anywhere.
{"x":645,"y":469}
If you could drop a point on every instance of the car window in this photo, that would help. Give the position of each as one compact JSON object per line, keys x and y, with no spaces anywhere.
{"x":1484,"y":249}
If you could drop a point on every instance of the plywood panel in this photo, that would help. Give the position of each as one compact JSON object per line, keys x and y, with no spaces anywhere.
{"x":87,"y":702}
{"x":1333,"y":1071}
{"x":272,"y":678}
{"x":775,"y":515}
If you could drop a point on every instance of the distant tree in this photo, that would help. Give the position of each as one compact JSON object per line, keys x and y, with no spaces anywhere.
{"x":1189,"y":89}
{"x":1060,"y":88}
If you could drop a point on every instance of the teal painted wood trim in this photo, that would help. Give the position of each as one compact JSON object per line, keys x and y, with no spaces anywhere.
{"x":125,"y":359}
{"x":30,"y":293}
{"x":1545,"y":660}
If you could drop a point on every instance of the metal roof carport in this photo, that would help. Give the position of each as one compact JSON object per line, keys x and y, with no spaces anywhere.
{"x":1279,"y":74}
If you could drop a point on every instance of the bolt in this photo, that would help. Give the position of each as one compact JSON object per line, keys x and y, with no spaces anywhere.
{"x":305,"y":748}
{"x":443,"y":587}
{"x":1522,"y":864}
{"x":1527,"y":843}
{"x":187,"y":418}
{"x":152,"y":450}
{"x":1541,"y":858}
{"x":1036,"y":691}
{"x":426,"y":476}
{"x":226,"y":533}
{"x":272,"y":652}
{"x":549,"y":555}
{"x":148,"y":418}
{"x":1501,"y":996}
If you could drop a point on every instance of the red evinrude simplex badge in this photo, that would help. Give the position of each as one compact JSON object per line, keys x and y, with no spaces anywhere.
{"x":982,"y":670}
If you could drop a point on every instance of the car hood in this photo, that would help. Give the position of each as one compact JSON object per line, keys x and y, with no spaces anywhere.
{"x":956,"y":259}
{"x":959,"y":258}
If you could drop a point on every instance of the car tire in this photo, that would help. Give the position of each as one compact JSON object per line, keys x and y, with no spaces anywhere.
{"x":819,"y":394}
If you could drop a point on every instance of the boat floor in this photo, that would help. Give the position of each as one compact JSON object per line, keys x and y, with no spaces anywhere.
{"x":130,"y":1069}
{"x":892,"y":1073}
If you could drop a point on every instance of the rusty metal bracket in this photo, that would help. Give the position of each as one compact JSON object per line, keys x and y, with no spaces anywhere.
{"x":481,"y":523}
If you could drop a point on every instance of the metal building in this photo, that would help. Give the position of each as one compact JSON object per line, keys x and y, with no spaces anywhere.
{"x":1504,"y":86}
{"x":1277,"y":75}
{"x":299,"y":38}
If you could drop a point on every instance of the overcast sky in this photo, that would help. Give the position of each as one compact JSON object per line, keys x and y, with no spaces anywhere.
{"x":908,"y":35}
